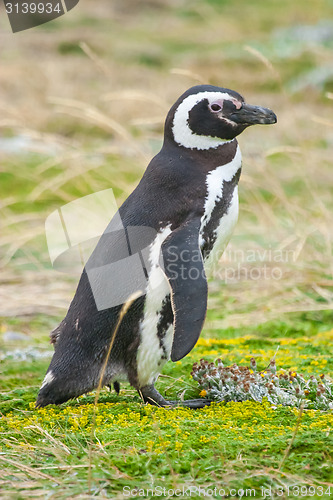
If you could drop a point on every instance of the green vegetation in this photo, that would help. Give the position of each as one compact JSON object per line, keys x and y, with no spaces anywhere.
{"x":126,"y":443}
{"x":83,"y":102}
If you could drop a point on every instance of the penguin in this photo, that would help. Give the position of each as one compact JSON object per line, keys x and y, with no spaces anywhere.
{"x":172,"y":227}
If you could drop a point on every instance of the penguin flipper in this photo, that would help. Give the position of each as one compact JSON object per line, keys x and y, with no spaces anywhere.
{"x":184,"y":268}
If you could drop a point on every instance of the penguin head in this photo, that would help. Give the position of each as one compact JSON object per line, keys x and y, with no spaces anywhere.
{"x":206,"y":117}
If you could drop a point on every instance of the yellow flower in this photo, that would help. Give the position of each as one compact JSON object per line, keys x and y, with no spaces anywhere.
{"x":178,"y":446}
{"x":150,"y":445}
{"x":203,"y":393}
{"x":204,"y":439}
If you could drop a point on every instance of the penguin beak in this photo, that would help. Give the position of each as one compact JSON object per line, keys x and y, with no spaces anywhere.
{"x":253,"y":115}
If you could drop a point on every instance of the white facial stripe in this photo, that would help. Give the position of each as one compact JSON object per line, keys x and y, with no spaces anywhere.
{"x":182,"y":133}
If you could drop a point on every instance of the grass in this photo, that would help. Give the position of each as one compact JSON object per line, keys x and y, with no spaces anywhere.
{"x":234,"y":445}
{"x":86,"y":113}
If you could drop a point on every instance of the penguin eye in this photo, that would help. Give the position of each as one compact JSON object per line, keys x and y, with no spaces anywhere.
{"x":215,"y":107}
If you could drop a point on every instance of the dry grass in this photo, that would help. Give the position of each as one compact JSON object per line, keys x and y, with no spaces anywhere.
{"x":91,"y":108}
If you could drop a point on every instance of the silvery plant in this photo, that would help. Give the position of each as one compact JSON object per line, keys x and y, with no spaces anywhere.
{"x":242,"y":383}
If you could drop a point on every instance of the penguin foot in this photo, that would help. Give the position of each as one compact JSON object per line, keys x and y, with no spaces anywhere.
{"x":150,"y":395}
{"x":191,"y":403}
{"x":116,"y":387}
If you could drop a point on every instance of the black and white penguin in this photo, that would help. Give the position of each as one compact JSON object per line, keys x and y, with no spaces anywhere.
{"x":174,"y":223}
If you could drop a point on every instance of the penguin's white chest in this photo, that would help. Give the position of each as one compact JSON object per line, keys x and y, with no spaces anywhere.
{"x":225,"y":224}
{"x":153,"y":351}
{"x":222,"y":234}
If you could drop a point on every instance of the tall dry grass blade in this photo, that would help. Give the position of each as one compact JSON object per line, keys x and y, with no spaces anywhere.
{"x":53,"y":440}
{"x":137,"y":95}
{"x":283,"y":149}
{"x":298,"y":423}
{"x":186,"y":72}
{"x":122,"y":314}
{"x":80,"y":109}
{"x":21,"y":240}
{"x":30,"y":470}
{"x":322,"y":121}
{"x":35,"y":135}
{"x":256,"y":53}
{"x":53,"y":184}
{"x":97,"y":60}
